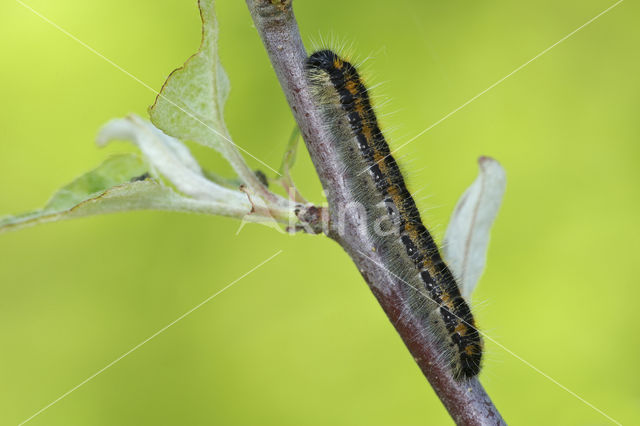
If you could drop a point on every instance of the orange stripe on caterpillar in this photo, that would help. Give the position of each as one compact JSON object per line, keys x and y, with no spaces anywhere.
{"x":410,"y":250}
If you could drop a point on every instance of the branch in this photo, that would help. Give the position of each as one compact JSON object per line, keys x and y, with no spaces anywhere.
{"x":467,"y":401}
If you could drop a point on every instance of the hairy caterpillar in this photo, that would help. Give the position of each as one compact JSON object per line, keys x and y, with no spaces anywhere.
{"x":411,"y":252}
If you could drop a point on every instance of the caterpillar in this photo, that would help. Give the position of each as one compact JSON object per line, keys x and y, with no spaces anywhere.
{"x":412,"y":254}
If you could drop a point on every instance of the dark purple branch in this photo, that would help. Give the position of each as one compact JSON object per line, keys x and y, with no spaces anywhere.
{"x":467,"y":402}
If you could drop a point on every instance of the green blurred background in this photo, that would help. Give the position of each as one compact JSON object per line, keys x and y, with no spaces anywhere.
{"x":301,"y":341}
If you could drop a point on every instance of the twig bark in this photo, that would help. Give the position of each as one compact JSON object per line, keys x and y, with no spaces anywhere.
{"x":467,"y":402}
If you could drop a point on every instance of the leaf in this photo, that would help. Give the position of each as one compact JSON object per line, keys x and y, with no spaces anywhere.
{"x":116,"y":170}
{"x":289,"y":157}
{"x":113,"y":187}
{"x":288,"y":160}
{"x":190,"y":105}
{"x":467,"y":236}
{"x":170,"y":157}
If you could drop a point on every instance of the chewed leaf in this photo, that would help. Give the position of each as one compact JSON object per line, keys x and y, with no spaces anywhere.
{"x":118,"y":184}
{"x":114,"y":171}
{"x":190,"y":105}
{"x":467,"y":236}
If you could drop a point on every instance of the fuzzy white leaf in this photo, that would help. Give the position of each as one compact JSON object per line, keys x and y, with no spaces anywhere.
{"x":170,"y":158}
{"x":467,"y":236}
